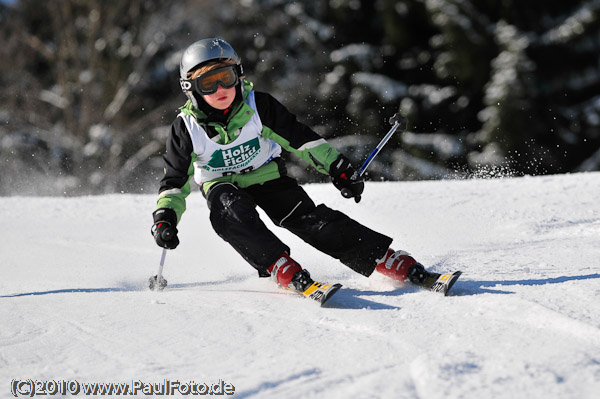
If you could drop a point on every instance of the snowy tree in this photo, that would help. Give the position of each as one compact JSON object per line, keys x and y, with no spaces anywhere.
{"x":90,"y":87}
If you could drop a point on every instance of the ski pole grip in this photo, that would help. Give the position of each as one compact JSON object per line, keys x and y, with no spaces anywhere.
{"x":167,"y":233}
{"x":346,"y":193}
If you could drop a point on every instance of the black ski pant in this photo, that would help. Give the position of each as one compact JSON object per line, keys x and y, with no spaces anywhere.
{"x":234,"y":217}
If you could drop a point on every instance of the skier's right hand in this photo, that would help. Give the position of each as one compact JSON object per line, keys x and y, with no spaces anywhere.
{"x":164,"y":230}
{"x":346,"y":179}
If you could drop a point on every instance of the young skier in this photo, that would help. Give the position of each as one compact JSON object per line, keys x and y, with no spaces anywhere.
{"x":229,"y":138}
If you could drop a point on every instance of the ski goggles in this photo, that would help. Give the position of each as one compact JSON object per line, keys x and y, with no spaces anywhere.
{"x":209,"y":82}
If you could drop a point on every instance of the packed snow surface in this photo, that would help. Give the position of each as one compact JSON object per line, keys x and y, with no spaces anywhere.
{"x":523,"y":321}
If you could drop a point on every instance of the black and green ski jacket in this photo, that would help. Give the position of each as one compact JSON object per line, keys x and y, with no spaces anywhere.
{"x":278,"y":125}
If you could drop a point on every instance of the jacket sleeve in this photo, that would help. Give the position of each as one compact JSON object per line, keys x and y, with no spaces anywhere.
{"x":179,"y":169}
{"x":282,"y":127}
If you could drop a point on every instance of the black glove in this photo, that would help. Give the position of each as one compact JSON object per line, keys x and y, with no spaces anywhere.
{"x":346,"y":179}
{"x":164,"y":230}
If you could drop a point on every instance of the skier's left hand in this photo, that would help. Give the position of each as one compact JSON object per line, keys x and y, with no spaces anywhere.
{"x":164,"y":230}
{"x":346,"y":179}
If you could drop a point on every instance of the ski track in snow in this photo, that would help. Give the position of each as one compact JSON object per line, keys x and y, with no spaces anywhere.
{"x":523,"y":321}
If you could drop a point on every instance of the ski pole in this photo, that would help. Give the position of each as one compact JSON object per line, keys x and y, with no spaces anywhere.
{"x":158,"y":281}
{"x":162,"y":263}
{"x":399,"y":122}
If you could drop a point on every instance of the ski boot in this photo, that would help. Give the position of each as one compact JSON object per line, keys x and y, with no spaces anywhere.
{"x":400,"y":266}
{"x":289,"y":275}
{"x":283,"y":272}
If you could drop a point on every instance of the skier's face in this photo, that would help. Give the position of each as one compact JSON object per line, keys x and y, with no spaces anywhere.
{"x":222,"y":99}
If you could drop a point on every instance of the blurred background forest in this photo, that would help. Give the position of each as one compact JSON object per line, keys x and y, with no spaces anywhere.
{"x":491,"y":88}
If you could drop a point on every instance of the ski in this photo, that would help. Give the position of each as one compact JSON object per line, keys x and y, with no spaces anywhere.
{"x":441,"y":283}
{"x":320,"y":292}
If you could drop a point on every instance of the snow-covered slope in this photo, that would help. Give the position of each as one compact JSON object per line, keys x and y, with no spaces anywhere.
{"x":523,"y":320}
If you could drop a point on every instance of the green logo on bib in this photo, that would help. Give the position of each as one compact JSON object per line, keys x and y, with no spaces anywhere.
{"x":235,"y":157}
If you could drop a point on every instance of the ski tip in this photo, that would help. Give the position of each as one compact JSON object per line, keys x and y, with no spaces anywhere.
{"x":334,"y":288}
{"x":320,"y":292}
{"x":452,"y":280}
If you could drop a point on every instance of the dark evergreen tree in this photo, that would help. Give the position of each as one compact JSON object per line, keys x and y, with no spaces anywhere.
{"x":88,"y":89}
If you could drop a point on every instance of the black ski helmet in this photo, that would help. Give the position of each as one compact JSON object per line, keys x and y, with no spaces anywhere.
{"x":201,"y":52}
